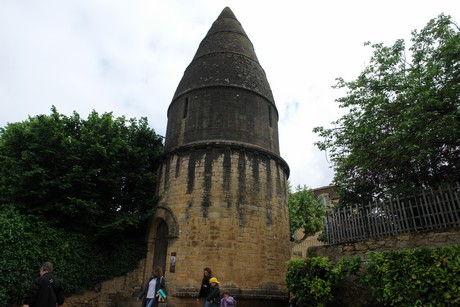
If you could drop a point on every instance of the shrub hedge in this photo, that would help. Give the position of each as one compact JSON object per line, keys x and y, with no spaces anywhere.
{"x":311,"y":280}
{"x":415,"y":277}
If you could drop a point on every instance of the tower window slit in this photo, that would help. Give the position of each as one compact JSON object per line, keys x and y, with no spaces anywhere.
{"x":269,"y":116}
{"x":185,"y":108}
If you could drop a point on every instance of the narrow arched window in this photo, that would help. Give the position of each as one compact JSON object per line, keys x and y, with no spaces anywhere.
{"x":184,"y":115}
{"x":269,"y":115}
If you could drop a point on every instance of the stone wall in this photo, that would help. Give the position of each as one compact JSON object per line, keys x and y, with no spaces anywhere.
{"x":299,"y":250}
{"x":120,"y":291}
{"x":227,"y":209}
{"x":435,"y":238}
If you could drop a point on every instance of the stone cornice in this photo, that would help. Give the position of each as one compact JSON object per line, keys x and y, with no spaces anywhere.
{"x":239,"y":146}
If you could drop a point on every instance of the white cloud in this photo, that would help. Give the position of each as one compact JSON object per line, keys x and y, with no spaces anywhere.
{"x":129,"y":56}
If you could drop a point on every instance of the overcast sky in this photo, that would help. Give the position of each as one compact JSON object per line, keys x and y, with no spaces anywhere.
{"x":127,"y":57}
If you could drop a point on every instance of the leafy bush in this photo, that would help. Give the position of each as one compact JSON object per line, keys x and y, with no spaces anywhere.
{"x":418,"y":277}
{"x":312,"y":280}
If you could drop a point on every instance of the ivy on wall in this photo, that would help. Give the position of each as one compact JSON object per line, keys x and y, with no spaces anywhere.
{"x":27,"y":241}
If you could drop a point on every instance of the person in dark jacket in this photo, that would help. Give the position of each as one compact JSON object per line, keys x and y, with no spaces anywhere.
{"x":46,"y":290}
{"x":214,"y":293}
{"x":150,"y":293}
{"x":205,"y":286}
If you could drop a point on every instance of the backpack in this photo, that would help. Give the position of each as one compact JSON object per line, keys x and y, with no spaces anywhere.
{"x":229,"y":301}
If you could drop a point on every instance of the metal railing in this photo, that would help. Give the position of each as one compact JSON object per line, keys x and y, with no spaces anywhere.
{"x":428,"y":210}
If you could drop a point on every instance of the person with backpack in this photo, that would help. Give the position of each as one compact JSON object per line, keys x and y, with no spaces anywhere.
{"x":227,"y":300}
{"x":46,"y":290}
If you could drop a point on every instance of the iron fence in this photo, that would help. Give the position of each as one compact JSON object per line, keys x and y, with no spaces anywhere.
{"x":428,"y":210}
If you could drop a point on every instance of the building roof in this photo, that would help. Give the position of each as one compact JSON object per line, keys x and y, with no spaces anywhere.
{"x":329,"y":190}
{"x":225,"y":57}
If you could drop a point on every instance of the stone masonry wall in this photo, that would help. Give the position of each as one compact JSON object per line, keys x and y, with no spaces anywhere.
{"x":120,"y":291}
{"x":434,"y":238}
{"x":230,"y":206}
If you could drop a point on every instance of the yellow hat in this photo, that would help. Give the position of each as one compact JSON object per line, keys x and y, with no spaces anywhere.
{"x":213,"y":279}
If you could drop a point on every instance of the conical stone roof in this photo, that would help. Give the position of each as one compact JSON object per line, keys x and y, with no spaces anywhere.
{"x":225,"y":57}
{"x":224,"y":96}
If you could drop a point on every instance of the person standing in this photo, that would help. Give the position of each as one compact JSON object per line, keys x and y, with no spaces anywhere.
{"x":214,"y":293}
{"x":205,"y":286}
{"x":46,"y":290}
{"x":150,"y":293}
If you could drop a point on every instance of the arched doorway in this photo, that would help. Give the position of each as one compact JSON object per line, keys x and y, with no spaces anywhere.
{"x":161,"y":246}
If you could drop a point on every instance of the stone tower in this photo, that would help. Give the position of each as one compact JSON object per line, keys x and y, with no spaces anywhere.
{"x":222,"y":183}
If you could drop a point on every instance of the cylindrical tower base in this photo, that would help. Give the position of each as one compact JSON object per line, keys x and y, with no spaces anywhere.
{"x":225,"y":206}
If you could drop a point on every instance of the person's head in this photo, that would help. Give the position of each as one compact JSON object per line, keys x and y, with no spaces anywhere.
{"x":213,"y":281}
{"x":46,"y":267}
{"x":207,"y":272}
{"x":226,"y":293}
{"x":157,"y":271}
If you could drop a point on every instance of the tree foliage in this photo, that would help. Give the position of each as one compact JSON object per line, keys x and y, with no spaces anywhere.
{"x":306,"y":213}
{"x":94,"y":176}
{"x":402,"y":129}
{"x":76,"y":192}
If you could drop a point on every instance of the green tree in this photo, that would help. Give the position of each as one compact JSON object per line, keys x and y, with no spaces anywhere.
{"x":306,"y":213}
{"x":94,"y":176}
{"x":78,"y":193}
{"x":402,"y":129}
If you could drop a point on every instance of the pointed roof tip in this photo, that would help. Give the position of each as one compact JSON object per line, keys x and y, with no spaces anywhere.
{"x":226,"y":21}
{"x":227,"y":46}
{"x":226,"y":13}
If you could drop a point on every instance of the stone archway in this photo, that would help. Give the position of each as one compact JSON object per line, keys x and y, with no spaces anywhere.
{"x":163,"y":228}
{"x":163,"y":213}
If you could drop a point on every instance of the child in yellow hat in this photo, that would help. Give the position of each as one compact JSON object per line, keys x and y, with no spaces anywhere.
{"x":214,"y":293}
